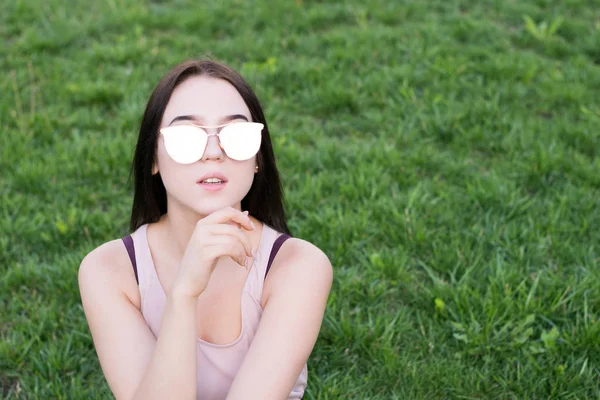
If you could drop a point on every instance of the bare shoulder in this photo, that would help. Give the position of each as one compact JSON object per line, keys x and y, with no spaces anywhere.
{"x":300,"y":257}
{"x":108,"y":268}
{"x":122,"y":339}
{"x":299,"y":263}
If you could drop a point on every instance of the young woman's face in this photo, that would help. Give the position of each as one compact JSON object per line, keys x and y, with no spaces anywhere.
{"x":205,"y":101}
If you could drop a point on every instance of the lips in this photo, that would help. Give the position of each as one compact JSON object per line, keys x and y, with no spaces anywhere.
{"x":215,"y":174}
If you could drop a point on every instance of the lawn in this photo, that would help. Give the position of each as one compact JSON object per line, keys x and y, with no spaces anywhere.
{"x":443,"y":153}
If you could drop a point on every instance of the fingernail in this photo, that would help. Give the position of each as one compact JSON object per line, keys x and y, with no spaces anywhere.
{"x":246,"y":212}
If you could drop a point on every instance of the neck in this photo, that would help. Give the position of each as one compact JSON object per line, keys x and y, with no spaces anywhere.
{"x":179,"y":223}
{"x":179,"y":228}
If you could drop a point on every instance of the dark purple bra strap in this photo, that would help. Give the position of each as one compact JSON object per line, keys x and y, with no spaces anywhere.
{"x":128,"y":241}
{"x":278,"y":242}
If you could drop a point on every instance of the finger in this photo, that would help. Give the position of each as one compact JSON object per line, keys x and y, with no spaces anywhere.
{"x":214,"y":252}
{"x":223,"y":246}
{"x":235,"y":223}
{"x":226,"y":215}
{"x":233,"y":231}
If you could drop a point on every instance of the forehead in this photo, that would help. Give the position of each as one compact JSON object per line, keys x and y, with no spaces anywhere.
{"x":207,"y":97}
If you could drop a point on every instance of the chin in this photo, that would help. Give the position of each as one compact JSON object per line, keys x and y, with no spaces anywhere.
{"x":207,"y":207}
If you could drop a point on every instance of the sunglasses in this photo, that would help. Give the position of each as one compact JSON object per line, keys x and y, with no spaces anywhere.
{"x":186,"y":144}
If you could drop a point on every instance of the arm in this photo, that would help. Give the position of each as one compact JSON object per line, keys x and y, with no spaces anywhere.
{"x":135,"y":364}
{"x":299,"y":284}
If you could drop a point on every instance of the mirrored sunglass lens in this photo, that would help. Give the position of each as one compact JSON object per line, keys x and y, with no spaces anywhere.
{"x":184,"y":144}
{"x":241,"y":141}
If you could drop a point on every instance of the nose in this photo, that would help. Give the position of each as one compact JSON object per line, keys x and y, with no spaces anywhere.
{"x":213,"y":149}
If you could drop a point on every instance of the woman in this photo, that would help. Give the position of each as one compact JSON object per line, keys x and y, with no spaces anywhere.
{"x":209,"y":297}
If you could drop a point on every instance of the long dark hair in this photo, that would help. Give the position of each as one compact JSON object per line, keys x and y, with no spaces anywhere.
{"x":264,"y":200}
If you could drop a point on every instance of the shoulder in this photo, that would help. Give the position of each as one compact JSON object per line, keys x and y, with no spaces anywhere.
{"x":108,"y":268}
{"x":298,"y":256}
{"x":295,"y":249}
{"x":298,"y":264}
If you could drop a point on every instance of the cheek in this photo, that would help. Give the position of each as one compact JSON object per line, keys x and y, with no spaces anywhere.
{"x":245,"y":177}
{"x":164,"y":162}
{"x":171,"y":172}
{"x":161,"y":157}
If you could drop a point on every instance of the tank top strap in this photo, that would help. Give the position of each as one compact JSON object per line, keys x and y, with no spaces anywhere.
{"x":143,"y":257}
{"x":130,"y":247}
{"x":270,"y":243}
{"x":275,"y":249}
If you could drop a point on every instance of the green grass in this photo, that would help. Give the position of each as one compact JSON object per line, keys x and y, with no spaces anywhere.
{"x":444,"y":154}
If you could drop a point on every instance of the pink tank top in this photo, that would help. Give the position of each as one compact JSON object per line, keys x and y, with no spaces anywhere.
{"x":217,"y":363}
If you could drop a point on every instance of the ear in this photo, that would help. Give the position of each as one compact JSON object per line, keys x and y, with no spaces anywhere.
{"x":154,"y":168}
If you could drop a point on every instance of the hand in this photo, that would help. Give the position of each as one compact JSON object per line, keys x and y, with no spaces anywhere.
{"x":218,"y":234}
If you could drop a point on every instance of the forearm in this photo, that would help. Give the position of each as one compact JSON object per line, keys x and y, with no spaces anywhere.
{"x":171,"y":373}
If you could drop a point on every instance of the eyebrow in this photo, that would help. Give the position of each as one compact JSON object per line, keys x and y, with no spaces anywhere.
{"x":196,"y":118}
